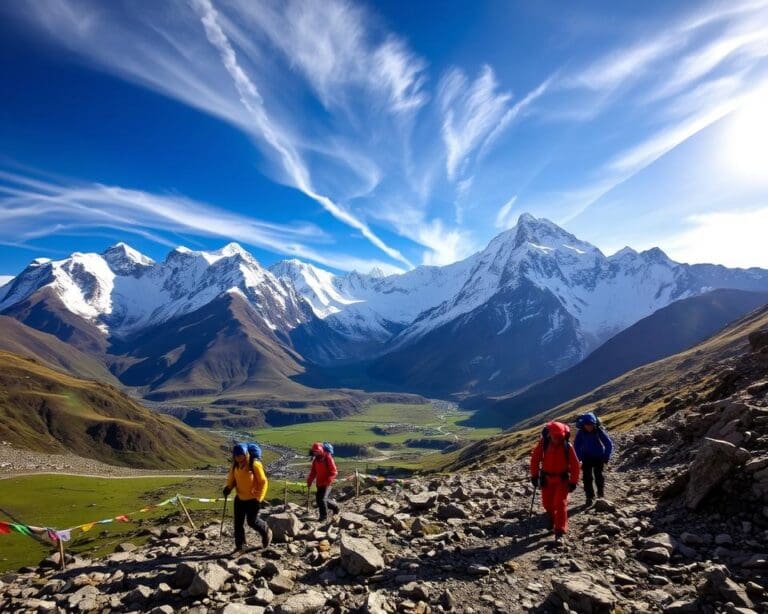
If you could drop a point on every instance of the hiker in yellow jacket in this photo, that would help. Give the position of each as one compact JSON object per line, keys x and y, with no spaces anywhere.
{"x":248,"y":479}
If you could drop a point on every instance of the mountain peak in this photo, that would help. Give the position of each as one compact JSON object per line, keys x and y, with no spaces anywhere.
{"x":655,"y":254}
{"x":624,"y":251}
{"x":234,"y":249}
{"x":122,"y":258}
{"x":376,"y":272}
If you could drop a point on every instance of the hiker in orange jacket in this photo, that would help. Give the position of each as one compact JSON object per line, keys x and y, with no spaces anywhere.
{"x":555,"y":467}
{"x":247,"y":478}
{"x":324,"y":472}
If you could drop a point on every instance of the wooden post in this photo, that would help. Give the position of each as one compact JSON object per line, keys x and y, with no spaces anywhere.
{"x":186,"y":512}
{"x":357,"y":483}
{"x":61,"y":555}
{"x":285,"y":493}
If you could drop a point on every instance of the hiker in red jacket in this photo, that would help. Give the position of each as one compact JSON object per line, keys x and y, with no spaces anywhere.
{"x":555,"y":467}
{"x":324,"y":472}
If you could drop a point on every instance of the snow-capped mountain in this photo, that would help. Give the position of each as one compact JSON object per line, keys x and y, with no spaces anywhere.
{"x":122,"y":291}
{"x":535,"y":301}
{"x":604,"y":294}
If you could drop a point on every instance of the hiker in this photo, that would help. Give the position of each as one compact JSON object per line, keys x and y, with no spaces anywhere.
{"x":594,"y":448}
{"x":248,"y":479}
{"x":555,"y":467}
{"x":324,"y":472}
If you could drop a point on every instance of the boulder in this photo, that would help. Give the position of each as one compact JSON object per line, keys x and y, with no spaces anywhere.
{"x":422,"y":501}
{"x":302,"y":603}
{"x":581,"y":594}
{"x":183,"y":575}
{"x":359,"y":556}
{"x":350,"y":519}
{"x":719,"y":583}
{"x":280,"y":584}
{"x":659,"y":540}
{"x":451,"y":510}
{"x":758,"y":339}
{"x":713,"y":462}
{"x":283,"y":525}
{"x":377,"y":511}
{"x":376,"y":603}
{"x":209,"y":578}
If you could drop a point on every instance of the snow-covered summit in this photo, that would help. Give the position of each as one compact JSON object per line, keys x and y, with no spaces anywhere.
{"x":121,"y":290}
{"x":125,"y":260}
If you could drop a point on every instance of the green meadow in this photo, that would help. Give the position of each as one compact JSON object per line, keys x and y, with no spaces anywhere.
{"x":384,"y":426}
{"x":64,"y":501}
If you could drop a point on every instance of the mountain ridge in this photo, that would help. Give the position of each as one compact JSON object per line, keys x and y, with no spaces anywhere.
{"x":535,"y":285}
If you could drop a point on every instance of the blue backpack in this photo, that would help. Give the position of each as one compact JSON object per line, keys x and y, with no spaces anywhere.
{"x":328,"y":447}
{"x":254,"y":452}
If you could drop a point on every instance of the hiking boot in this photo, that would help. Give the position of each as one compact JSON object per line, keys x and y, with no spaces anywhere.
{"x":590,"y":501}
{"x":238,"y":550}
{"x":559,"y":539}
{"x":266,"y":539}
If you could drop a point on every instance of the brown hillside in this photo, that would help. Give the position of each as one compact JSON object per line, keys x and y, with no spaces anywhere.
{"x":20,"y":339}
{"x":46,"y":410}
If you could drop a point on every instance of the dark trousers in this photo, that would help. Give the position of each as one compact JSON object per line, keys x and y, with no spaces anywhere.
{"x":324,"y":501}
{"x":248,"y":510}
{"x":592,"y":470}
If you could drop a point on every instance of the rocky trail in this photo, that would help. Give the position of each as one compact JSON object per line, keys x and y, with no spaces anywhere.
{"x":684,"y":529}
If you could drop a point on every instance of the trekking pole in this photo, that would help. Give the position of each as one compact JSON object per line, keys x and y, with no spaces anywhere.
{"x":223,"y":513}
{"x":308,"y":498}
{"x":530,"y":512}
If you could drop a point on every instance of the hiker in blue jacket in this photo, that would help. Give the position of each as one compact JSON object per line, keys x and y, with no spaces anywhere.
{"x":594,"y":448}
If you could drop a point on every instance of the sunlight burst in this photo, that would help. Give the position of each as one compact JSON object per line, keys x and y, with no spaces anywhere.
{"x":746,"y":150}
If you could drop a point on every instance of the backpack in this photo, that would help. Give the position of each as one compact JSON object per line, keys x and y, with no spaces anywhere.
{"x":328,"y":447}
{"x":566,"y":447}
{"x":581,"y":421}
{"x":254,"y":453}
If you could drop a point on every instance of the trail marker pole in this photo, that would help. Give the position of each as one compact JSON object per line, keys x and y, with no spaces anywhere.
{"x":61,"y":555}
{"x":186,"y":512}
{"x":357,"y":483}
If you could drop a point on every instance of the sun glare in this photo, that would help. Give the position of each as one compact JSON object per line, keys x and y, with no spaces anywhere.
{"x":746,"y":149}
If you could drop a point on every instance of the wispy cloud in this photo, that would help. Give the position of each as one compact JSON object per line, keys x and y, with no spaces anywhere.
{"x":32,"y":208}
{"x":164,"y":51}
{"x":471,"y":110}
{"x":503,"y":217}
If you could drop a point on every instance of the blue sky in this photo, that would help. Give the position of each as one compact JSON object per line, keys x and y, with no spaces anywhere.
{"x":393,"y":134}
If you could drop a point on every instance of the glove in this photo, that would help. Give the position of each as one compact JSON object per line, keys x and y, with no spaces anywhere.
{"x":571,"y":487}
{"x":226,"y":491}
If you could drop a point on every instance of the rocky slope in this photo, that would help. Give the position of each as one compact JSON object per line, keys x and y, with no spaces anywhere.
{"x":684,"y":529}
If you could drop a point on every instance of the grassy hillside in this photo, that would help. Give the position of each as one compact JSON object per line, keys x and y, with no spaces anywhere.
{"x":44,"y":409}
{"x":21,"y":339}
{"x":632,"y":398}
